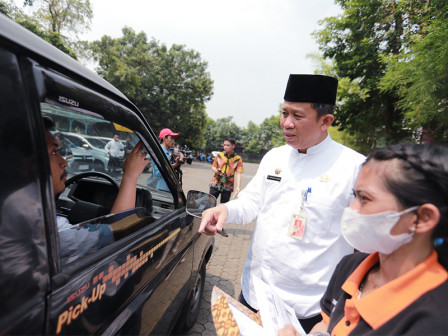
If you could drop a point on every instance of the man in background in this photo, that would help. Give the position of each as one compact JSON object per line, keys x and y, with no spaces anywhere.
{"x":226,"y":166}
{"x":128,"y":146}
{"x":166,"y":138}
{"x":115,"y":149}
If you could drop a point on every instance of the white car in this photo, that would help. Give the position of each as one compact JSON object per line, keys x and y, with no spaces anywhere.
{"x":100,"y":156}
{"x":82,"y":161}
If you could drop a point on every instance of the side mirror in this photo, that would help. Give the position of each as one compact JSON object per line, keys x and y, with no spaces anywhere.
{"x":198,"y":201}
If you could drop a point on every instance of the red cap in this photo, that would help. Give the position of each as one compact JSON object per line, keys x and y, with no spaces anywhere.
{"x":165,"y":132}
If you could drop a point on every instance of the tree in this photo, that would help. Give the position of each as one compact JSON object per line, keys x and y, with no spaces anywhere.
{"x":217,"y":131}
{"x":260,"y":139}
{"x":354,"y":139}
{"x":252,"y":142}
{"x":169,"y":85}
{"x":358,"y":41}
{"x":271,"y":133}
{"x":66,"y":17}
{"x":5,"y":8}
{"x":418,"y":76}
{"x":32,"y":24}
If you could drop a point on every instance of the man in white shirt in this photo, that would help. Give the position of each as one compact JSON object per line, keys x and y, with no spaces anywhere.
{"x":115,"y":149}
{"x":297,"y":197}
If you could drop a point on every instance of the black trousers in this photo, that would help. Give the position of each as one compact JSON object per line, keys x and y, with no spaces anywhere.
{"x":225,"y":195}
{"x":307,"y":324}
{"x":114,"y":163}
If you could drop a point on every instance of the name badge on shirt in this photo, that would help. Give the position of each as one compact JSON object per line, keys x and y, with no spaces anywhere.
{"x":297,"y":226}
{"x":298,"y":221}
{"x":274,"y":178}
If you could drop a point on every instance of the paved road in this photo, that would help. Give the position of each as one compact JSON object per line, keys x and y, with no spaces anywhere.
{"x":226,"y":264}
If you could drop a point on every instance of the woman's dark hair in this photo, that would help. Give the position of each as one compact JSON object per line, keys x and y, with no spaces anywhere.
{"x":420,"y":176}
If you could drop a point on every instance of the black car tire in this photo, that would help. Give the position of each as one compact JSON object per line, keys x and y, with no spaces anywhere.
{"x":194,"y":303}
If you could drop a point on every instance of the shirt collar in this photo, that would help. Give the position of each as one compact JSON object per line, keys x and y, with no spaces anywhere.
{"x":321,"y":146}
{"x":229,"y":156}
{"x":396,"y":295}
{"x":167,"y":151}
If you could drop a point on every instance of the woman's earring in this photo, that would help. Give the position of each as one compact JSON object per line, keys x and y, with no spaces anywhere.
{"x":414,"y":228}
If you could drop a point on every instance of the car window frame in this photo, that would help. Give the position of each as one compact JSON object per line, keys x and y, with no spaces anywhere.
{"x":61,"y":274}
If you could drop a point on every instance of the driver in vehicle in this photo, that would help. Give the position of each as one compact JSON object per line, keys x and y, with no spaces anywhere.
{"x":76,"y":240}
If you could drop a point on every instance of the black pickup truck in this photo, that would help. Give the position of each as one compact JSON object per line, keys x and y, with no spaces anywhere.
{"x":144,"y":273}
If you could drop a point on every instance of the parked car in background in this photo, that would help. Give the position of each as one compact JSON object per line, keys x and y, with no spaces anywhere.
{"x":100,"y":156}
{"x":98,"y":142}
{"x":146,"y":273}
{"x":82,"y":161}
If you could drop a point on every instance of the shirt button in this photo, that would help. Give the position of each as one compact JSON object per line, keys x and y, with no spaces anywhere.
{"x":347,"y":323}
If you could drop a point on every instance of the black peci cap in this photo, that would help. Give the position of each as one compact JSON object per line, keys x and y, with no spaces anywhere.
{"x":311,"y":89}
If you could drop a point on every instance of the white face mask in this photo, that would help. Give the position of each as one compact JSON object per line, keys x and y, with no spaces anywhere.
{"x":371,"y":233}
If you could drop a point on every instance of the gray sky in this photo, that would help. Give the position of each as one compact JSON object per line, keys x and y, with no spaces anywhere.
{"x":251,"y":46}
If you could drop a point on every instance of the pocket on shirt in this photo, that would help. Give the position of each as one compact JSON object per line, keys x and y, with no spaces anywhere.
{"x":324,"y":216}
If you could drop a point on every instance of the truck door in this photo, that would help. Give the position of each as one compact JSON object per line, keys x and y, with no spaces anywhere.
{"x":24,"y":274}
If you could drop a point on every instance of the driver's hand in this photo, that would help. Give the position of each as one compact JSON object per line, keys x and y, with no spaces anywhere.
{"x":135,"y":163}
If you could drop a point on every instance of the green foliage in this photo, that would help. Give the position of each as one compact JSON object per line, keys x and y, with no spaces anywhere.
{"x":217,"y":131}
{"x":262,"y":138}
{"x":358,"y":41}
{"x":419,"y":78}
{"x":252,"y":138}
{"x":356,"y":142}
{"x":255,"y":139}
{"x":53,"y":38}
{"x":63,"y":16}
{"x":169,"y":85}
{"x":271,"y":133}
{"x":34,"y":25}
{"x":4,"y":8}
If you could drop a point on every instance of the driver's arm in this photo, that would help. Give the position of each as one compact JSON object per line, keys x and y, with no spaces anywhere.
{"x":132,"y":168}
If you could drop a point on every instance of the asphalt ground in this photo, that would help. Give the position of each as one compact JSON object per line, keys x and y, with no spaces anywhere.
{"x":229,"y":254}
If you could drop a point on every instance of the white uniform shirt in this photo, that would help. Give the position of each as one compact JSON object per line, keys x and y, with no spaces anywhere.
{"x":115,"y":148}
{"x":298,"y":270}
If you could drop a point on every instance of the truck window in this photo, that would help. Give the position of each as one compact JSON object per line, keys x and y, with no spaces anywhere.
{"x":94,"y":174}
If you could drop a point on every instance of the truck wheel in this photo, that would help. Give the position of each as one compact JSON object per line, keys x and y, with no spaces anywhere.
{"x":194,"y":304}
